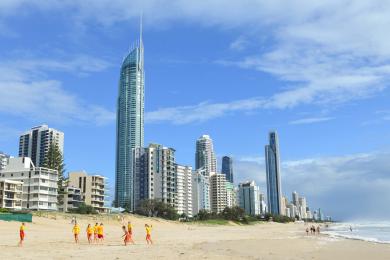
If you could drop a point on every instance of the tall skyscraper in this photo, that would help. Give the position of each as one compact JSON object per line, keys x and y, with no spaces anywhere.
{"x":36,"y":142}
{"x":272,"y":162}
{"x":227,"y":168}
{"x":205,"y":157}
{"x":130,"y":122}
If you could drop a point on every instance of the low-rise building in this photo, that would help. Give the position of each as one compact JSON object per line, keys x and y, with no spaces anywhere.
{"x":71,"y":199}
{"x":93,"y":189}
{"x":40,"y":188}
{"x":11,"y":194}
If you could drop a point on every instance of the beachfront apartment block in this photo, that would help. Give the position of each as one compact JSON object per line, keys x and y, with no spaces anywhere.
{"x":71,"y":199}
{"x":11,"y":194}
{"x":93,"y":189}
{"x":184,"y":190}
{"x":36,"y":142}
{"x":231,"y":194}
{"x":200,"y":191}
{"x":204,"y":156}
{"x":40,"y":188}
{"x":249,"y":198}
{"x":218,"y":194}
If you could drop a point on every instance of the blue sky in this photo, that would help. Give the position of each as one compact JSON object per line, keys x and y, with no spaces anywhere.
{"x":318,"y":73}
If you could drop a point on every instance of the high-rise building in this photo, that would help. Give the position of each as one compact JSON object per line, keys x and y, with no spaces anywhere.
{"x":200,"y":191}
{"x":249,"y":198}
{"x":93,"y":189}
{"x":184,"y":190}
{"x":272,"y":162}
{"x":205,"y":157}
{"x":3,"y":160}
{"x":40,"y":187}
{"x":295,"y":198}
{"x":130,"y":122}
{"x":227,"y":168}
{"x":36,"y":142}
{"x":154,"y":174}
{"x":231,"y":195}
{"x":218,"y":192}
{"x":302,"y":207}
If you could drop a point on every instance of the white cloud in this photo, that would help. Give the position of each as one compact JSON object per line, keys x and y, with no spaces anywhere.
{"x":201,"y":112}
{"x":346,"y":187}
{"x":310,"y":120}
{"x":26,"y":92}
{"x":239,"y":44}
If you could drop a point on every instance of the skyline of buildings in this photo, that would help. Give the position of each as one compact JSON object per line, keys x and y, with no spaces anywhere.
{"x":273,"y":176}
{"x":130,"y":122}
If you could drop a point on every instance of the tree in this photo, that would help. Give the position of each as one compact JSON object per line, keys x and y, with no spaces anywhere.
{"x":84,"y":209}
{"x":235,"y":213}
{"x":54,"y":160}
{"x":157,"y":208}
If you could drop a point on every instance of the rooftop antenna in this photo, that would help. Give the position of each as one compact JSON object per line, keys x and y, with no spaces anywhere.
{"x":140,"y":30}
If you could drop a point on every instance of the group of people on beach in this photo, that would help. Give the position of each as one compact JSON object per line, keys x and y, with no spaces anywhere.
{"x":313,"y":230}
{"x":95,"y":234}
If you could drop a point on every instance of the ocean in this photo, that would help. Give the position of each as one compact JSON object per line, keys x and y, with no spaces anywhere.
{"x":378,"y":232}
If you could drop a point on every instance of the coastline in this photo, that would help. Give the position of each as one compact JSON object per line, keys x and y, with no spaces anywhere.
{"x":51,"y":238}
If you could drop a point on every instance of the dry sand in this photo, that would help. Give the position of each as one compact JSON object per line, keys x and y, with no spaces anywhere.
{"x":48,"y":238}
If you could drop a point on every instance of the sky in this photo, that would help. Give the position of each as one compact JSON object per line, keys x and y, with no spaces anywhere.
{"x":316,"y":71}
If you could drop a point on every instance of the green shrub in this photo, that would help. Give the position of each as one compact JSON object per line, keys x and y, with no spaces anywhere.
{"x":156,"y":208}
{"x":84,"y":209}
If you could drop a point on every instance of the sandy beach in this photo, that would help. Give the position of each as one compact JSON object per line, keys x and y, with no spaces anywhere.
{"x":51,"y":237}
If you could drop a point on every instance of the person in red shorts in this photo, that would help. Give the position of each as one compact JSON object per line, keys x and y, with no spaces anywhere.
{"x":148,"y":234}
{"x":22,"y":234}
{"x":126,"y":235}
{"x":101,"y":232}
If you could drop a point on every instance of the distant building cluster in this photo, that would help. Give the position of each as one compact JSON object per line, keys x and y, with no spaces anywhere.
{"x":141,"y":172}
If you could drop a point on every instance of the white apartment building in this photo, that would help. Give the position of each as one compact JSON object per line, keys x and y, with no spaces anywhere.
{"x":36,"y":142}
{"x":40,"y":188}
{"x":231,"y":195}
{"x":93,"y":189}
{"x":200,"y":191}
{"x":3,"y":160}
{"x":184,"y":190}
{"x":249,"y":198}
{"x":218,"y":192}
{"x":11,"y":194}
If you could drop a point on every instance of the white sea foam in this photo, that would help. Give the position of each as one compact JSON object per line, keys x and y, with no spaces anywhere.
{"x":377,"y":232}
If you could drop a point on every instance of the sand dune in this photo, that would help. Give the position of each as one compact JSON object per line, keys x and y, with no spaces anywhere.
{"x":51,"y":237}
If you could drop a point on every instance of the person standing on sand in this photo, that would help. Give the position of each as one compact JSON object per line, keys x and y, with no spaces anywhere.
{"x":76,"y":232}
{"x":90,"y":231}
{"x":126,"y":235}
{"x":22,"y":234}
{"x":95,"y":233}
{"x":148,"y":234}
{"x":307,"y":231}
{"x":101,"y":232}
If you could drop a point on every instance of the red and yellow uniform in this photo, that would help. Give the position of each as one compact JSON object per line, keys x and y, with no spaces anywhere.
{"x":90,"y":231}
{"x":76,"y":230}
{"x":130,"y":228}
{"x":21,"y":232}
{"x":148,"y":232}
{"x":100,"y":231}
{"x":95,"y":231}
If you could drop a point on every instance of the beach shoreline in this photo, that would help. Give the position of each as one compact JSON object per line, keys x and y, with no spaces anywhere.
{"x":50,"y":237}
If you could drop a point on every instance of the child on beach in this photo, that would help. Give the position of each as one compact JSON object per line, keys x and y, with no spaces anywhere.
{"x":126,"y":235}
{"x":95,"y":232}
{"x":101,"y":232}
{"x":90,"y":231}
{"x":21,"y":234}
{"x":76,"y":232}
{"x":148,"y":234}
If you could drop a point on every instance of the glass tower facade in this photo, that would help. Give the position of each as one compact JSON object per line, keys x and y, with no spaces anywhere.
{"x":227,"y":168}
{"x":130,"y":123}
{"x":272,"y":162}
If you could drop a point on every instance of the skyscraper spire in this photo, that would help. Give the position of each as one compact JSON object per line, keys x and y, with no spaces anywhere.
{"x":140,"y":30}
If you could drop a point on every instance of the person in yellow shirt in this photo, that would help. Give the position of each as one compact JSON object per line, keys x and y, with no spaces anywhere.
{"x":101,"y":232}
{"x":90,"y":231}
{"x":22,"y":234}
{"x":130,"y":231}
{"x":148,"y":234}
{"x":95,"y":232}
{"x":76,"y":232}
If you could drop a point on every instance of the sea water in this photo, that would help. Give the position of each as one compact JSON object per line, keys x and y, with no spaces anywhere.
{"x":378,"y":232}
